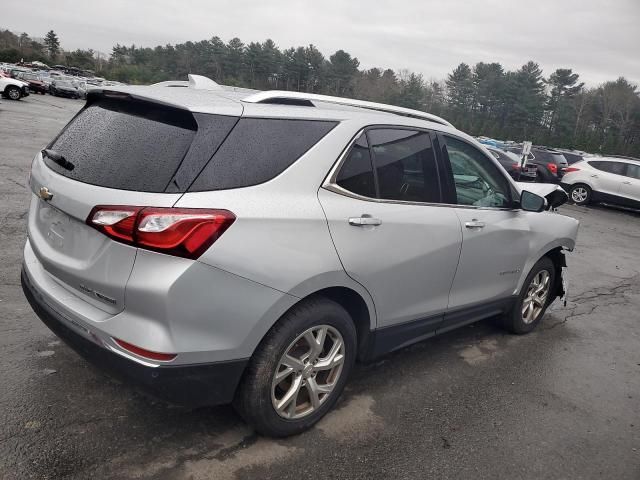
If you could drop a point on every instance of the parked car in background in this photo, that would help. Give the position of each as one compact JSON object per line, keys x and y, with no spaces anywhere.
{"x":604,"y":179}
{"x":64,"y":88}
{"x":15,"y":71}
{"x":13,"y":89}
{"x":34,"y":81}
{"x":82,"y":87}
{"x":572,"y":156}
{"x":550,"y":163}
{"x":511,"y":163}
{"x":280,"y":237}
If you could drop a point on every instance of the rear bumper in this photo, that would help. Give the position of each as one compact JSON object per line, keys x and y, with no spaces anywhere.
{"x":189,"y":385}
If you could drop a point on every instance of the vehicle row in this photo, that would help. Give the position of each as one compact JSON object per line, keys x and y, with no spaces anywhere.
{"x":587,"y":178}
{"x":55,"y":82}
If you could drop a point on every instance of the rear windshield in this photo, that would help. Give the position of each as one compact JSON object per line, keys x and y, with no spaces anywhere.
{"x":125,"y":145}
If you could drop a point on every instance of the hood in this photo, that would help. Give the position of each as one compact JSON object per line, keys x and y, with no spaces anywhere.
{"x":554,"y":194}
{"x":13,"y":81}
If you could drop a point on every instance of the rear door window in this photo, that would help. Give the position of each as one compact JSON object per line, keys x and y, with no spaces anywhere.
{"x":259,"y":149}
{"x":405,"y":165}
{"x":124,"y":145}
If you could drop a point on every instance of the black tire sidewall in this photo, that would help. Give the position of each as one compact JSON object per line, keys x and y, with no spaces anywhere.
{"x":12,"y":89}
{"x":253,"y":398}
{"x":515,"y":322}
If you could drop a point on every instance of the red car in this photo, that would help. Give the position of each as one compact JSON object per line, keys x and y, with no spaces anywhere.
{"x":35,"y":84}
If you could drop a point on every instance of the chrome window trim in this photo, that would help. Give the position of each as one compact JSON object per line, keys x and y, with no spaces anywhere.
{"x":331,"y":185}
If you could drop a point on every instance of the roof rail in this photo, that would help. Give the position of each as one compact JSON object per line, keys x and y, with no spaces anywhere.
{"x":273,"y":95}
{"x":171,"y":83}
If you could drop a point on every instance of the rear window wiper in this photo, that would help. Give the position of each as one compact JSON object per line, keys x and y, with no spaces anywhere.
{"x":58,"y":158}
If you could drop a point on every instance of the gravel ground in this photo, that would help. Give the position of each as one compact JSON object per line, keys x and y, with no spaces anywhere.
{"x":562,"y":402}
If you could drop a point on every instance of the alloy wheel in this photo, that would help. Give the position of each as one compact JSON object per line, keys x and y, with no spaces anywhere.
{"x":14,"y":94}
{"x":536,"y":297}
{"x":579,"y":194}
{"x":307,"y":372}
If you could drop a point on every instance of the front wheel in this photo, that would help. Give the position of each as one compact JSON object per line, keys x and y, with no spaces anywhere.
{"x":535,"y":296}
{"x":299,"y":370}
{"x":580,"y":194}
{"x":12,"y":92}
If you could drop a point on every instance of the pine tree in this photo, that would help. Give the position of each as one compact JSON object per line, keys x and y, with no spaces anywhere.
{"x":52,"y":44}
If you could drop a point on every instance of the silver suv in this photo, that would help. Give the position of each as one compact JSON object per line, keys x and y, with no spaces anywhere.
{"x":220,"y":245}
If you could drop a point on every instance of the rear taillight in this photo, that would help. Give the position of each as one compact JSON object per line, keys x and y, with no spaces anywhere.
{"x":553,"y":168}
{"x":183,"y":232}
{"x":570,"y":169}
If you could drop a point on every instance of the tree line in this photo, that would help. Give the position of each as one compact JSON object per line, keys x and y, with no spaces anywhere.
{"x":483,"y":99}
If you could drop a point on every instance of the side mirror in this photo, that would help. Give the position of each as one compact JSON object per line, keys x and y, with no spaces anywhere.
{"x":531,"y":202}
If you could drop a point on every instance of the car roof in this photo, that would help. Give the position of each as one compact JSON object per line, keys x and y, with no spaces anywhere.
{"x":633,"y":161}
{"x":228,"y":100}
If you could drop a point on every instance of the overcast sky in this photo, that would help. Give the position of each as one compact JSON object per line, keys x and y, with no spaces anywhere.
{"x":599,"y":39}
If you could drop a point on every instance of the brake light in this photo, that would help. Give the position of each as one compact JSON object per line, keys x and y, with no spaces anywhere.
{"x":182,"y":232}
{"x":141,"y":352}
{"x":553,"y":168}
{"x":570,"y":169}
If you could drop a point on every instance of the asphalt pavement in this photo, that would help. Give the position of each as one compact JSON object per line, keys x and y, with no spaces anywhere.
{"x":561,"y":402}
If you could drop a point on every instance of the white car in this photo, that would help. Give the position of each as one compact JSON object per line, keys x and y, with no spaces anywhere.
{"x":13,"y":89}
{"x":614,"y":180}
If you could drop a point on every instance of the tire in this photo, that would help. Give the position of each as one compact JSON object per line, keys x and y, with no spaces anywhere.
{"x":259,"y":391}
{"x":519,"y":320}
{"x":12,"y":92}
{"x":580,"y":194}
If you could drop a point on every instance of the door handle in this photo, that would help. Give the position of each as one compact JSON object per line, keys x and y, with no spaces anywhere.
{"x":594,"y":176}
{"x":626,"y":183}
{"x":364,"y":220}
{"x":474,"y":224}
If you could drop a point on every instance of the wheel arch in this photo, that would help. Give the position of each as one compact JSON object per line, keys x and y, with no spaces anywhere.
{"x":556,"y":255}
{"x":358,"y":306}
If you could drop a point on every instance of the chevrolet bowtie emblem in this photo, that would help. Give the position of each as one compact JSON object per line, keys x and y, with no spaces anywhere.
{"x":45,"y":194}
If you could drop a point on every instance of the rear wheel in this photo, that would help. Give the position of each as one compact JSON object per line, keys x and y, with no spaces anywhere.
{"x":299,"y":370}
{"x":580,"y":194}
{"x":535,"y":296}
{"x":12,"y":92}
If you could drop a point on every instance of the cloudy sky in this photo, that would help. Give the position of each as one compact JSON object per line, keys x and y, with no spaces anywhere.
{"x":599,"y":39}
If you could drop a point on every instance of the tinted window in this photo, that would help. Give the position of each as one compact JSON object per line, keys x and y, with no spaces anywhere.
{"x":572,"y":157}
{"x":405,"y":165}
{"x":356,"y":173}
{"x":477,"y":179}
{"x":257,"y":150}
{"x":125,"y":145}
{"x":617,"y":168}
{"x":633,"y":170}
